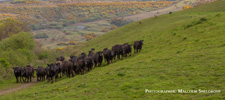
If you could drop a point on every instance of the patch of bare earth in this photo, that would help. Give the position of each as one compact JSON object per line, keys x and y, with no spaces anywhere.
{"x":15,"y":89}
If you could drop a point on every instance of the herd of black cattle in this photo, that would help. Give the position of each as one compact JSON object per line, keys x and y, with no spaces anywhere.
{"x":76,"y":65}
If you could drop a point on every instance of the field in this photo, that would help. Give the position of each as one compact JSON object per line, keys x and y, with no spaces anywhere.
{"x":182,"y":50}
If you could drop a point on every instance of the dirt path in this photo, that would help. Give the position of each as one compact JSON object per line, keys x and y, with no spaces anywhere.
{"x":14,"y":89}
{"x":175,"y":7}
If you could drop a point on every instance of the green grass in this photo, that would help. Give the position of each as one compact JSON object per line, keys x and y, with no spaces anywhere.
{"x":173,"y":57}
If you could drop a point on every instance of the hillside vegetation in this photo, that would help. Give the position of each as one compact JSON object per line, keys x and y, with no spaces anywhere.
{"x":182,"y":50}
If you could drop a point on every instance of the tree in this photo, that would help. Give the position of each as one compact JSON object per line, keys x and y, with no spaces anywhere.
{"x":11,"y":26}
{"x":22,"y":40}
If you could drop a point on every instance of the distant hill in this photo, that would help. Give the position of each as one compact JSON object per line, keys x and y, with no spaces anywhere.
{"x":182,"y":50}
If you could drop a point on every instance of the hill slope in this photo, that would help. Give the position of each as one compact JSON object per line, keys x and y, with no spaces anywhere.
{"x":184,"y":50}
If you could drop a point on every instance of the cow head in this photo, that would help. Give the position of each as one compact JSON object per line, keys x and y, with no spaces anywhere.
{"x":99,"y":53}
{"x":58,"y":59}
{"x":62,"y":58}
{"x":17,"y":69}
{"x":141,"y":42}
{"x":92,"y":49}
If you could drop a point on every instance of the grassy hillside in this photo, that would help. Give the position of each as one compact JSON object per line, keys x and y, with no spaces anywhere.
{"x":183,"y":50}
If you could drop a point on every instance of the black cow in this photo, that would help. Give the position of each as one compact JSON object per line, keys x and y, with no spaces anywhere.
{"x":27,"y":73}
{"x":80,"y":66}
{"x":82,"y":56}
{"x":17,"y":73}
{"x":127,"y":48}
{"x":89,"y":62}
{"x":138,"y":46}
{"x":108,"y":55}
{"x":91,"y":54}
{"x":32,"y":69}
{"x":98,"y":58}
{"x":118,"y":51}
{"x":61,"y":67}
{"x":41,"y":73}
{"x":170,"y":12}
{"x":68,"y":68}
{"x":52,"y":72}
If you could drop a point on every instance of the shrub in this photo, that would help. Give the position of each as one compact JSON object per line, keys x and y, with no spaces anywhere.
{"x":43,"y":55}
{"x":36,"y":27}
{"x":22,"y":40}
{"x":4,"y":63}
{"x":41,"y":35}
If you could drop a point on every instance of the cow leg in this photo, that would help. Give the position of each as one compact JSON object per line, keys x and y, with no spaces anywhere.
{"x":107,"y":62}
{"x":48,"y":79}
{"x":100,"y":64}
{"x":139,"y":50}
{"x":30,"y":78}
{"x":56,"y":78}
{"x":96,"y":64}
{"x":17,"y":79}
{"x":52,"y":79}
{"x":20,"y":79}
{"x":73,"y":73}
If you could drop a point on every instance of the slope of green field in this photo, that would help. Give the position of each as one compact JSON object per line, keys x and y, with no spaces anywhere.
{"x":182,"y":50}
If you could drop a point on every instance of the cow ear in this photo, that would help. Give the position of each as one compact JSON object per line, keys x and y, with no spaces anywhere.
{"x":142,"y":40}
{"x":48,"y":64}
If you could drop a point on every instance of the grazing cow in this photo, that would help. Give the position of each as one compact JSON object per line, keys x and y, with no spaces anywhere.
{"x":17,"y":73}
{"x":52,"y":72}
{"x":108,"y":55}
{"x":80,"y":66}
{"x":41,"y":73}
{"x":89,"y":62}
{"x":138,"y":46}
{"x":27,"y":73}
{"x":98,"y":58}
{"x":170,"y":12}
{"x":117,"y":50}
{"x":126,"y":49}
{"x":68,"y":68}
